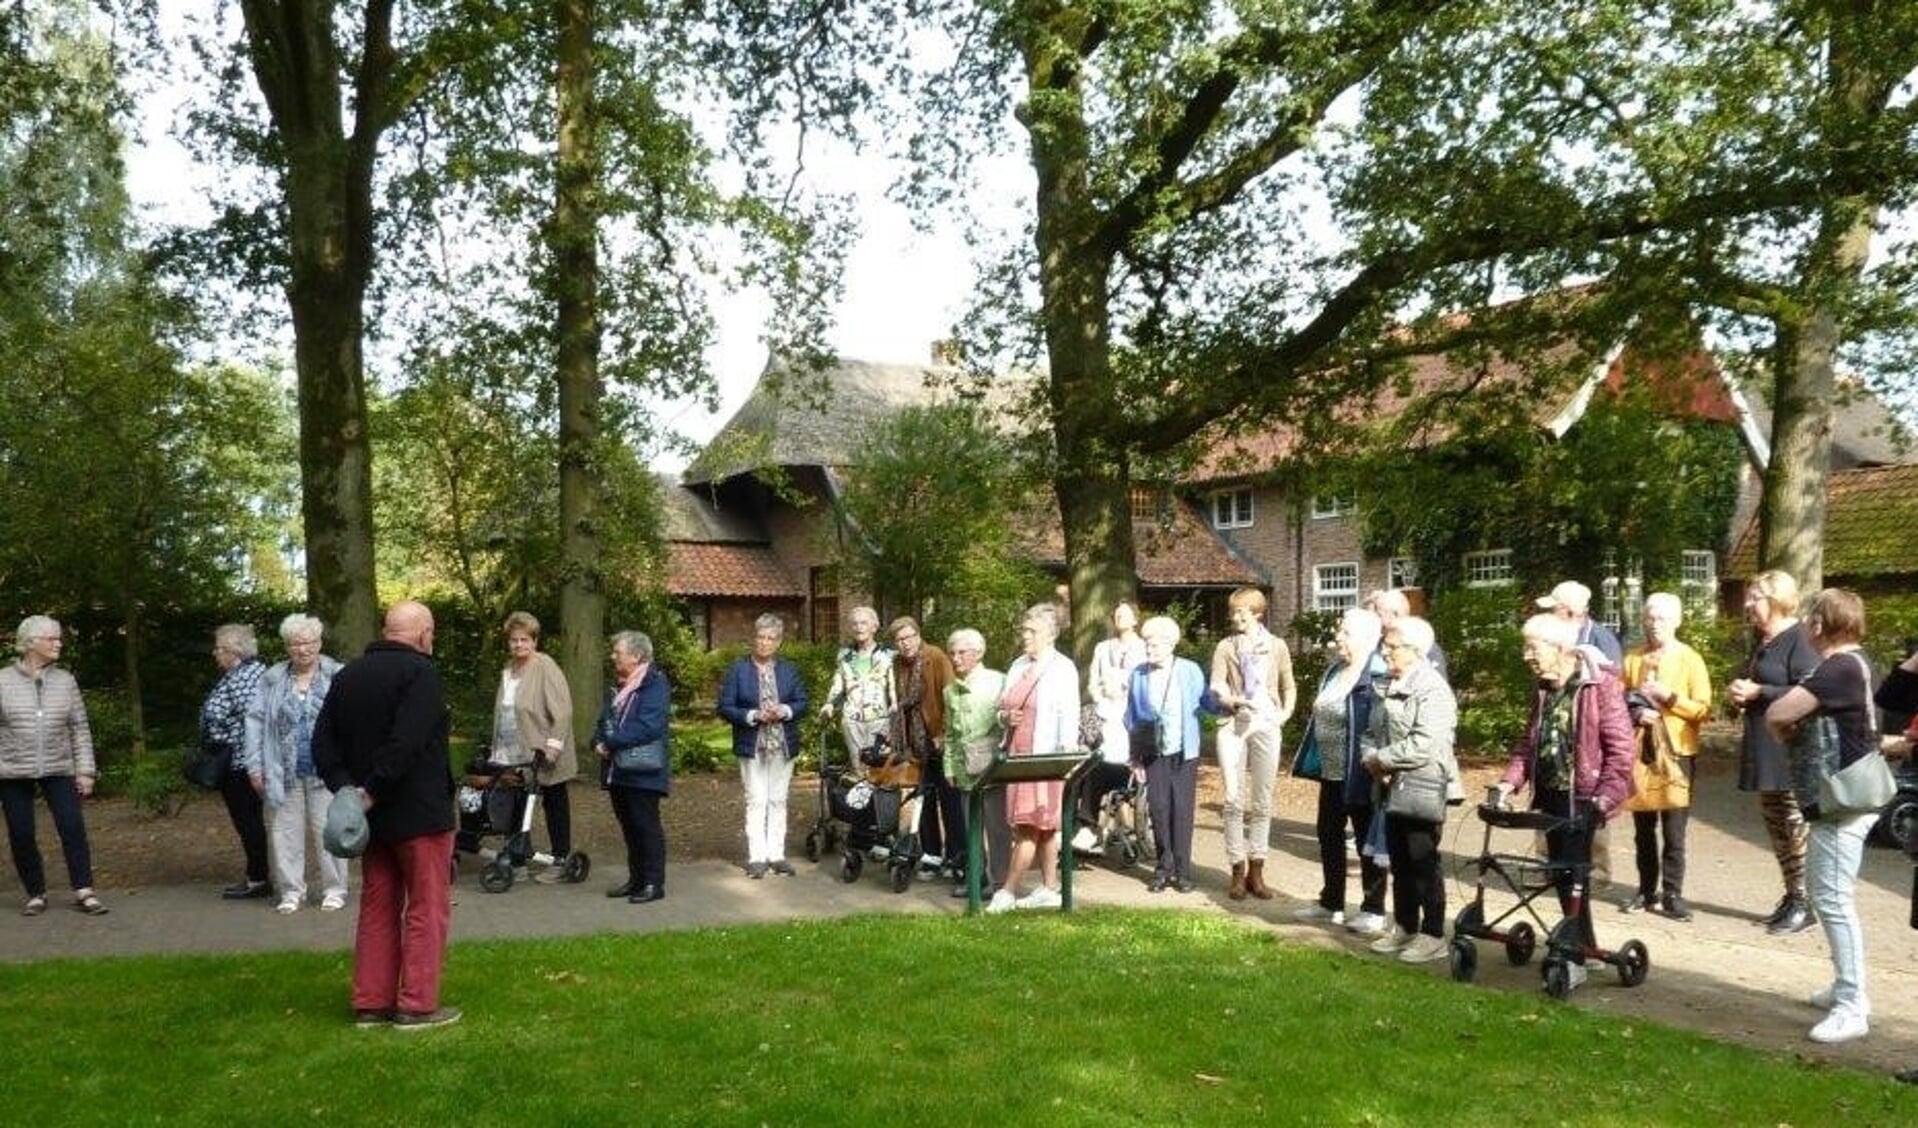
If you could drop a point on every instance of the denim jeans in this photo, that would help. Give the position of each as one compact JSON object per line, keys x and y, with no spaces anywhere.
{"x":1831,"y":874}
{"x":63,"y":802}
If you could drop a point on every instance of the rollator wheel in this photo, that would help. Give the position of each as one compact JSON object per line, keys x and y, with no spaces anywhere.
{"x":812,"y":846}
{"x":1129,"y":854}
{"x":1464,"y":960}
{"x":1558,"y":979}
{"x":901,"y":876}
{"x":850,"y":863}
{"x":1635,"y":961}
{"x":497,"y":877}
{"x":1469,"y":919}
{"x":577,"y":866}
{"x":1520,"y":943}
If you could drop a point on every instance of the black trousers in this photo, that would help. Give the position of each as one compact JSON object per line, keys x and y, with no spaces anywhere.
{"x":1333,"y":815}
{"x":638,"y":815}
{"x":942,"y":812}
{"x":63,"y":803}
{"x":1103,"y":780}
{"x":557,"y":801}
{"x":1569,"y":849}
{"x":244,"y":807}
{"x":1646,"y":826}
{"x":1171,"y":785}
{"x":1418,"y":892}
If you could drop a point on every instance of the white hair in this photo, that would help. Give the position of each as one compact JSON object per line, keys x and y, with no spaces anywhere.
{"x":1416,"y":633}
{"x":297,"y":625}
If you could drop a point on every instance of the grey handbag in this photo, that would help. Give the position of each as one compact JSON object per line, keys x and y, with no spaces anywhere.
{"x":1865,"y":784}
{"x":1417,"y":795}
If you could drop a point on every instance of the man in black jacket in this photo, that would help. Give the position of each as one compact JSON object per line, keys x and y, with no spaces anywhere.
{"x":383,"y":730}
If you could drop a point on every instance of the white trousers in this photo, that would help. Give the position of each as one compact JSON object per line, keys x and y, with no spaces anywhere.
{"x":292,"y":824}
{"x":1831,"y":877}
{"x":766,"y":780}
{"x":1249,"y":767}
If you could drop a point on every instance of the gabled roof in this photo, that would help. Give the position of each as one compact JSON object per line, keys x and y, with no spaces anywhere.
{"x":750,"y":571}
{"x":1864,"y":432}
{"x":1556,"y":388}
{"x":692,"y":513}
{"x":1183,"y":551}
{"x":1871,"y":525}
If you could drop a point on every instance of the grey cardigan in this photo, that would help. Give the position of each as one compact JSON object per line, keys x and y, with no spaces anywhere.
{"x":43,"y":725}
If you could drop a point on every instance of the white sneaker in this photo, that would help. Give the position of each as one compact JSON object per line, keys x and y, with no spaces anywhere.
{"x":1040,"y":898}
{"x":1575,"y":975}
{"x":1844,"y":1025}
{"x":1085,"y":840}
{"x":1368,"y":924}
{"x":1423,"y":949}
{"x":1393,"y":942}
{"x":1316,"y":913}
{"x":287,"y":906}
{"x":1002,"y":902}
{"x":332,"y":902}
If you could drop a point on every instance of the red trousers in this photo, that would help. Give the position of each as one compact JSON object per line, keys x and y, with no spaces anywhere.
{"x":406,"y":910}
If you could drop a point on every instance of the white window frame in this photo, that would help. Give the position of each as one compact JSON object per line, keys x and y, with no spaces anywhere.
{"x":1326,"y":506}
{"x":1238,"y":503}
{"x":1335,"y":587}
{"x":1698,"y":569}
{"x":1491,"y":567}
{"x":1402,"y":572}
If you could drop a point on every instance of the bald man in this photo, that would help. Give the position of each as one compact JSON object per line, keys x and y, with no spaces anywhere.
{"x":383,"y":730}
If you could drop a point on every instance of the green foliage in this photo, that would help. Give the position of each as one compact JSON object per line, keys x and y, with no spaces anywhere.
{"x":936,"y":503}
{"x":749,"y":1024}
{"x":1479,"y":629}
{"x":153,"y":782}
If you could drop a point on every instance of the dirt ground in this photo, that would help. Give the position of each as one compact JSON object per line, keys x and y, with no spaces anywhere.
{"x":1720,"y":974}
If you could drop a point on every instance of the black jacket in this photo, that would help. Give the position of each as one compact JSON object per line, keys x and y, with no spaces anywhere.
{"x":384,"y":728}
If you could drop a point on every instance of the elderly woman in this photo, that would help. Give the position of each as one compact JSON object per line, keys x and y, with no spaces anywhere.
{"x":533,"y":724}
{"x":279,"y":765}
{"x":861,"y":690}
{"x":1409,"y":742}
{"x":45,"y":746}
{"x":223,"y":726}
{"x":1163,"y":705}
{"x":1781,"y":657}
{"x":638,"y":713}
{"x":1252,"y":677}
{"x":1329,"y":751}
{"x":763,"y":698}
{"x":1040,"y":711}
{"x":973,"y":737}
{"x":1108,"y":681}
{"x":1670,"y":693}
{"x":1576,"y":754}
{"x":1839,"y":689}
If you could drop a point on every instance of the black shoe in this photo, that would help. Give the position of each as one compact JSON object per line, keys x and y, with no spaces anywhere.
{"x":246,"y":891}
{"x":783,"y":868}
{"x":1675,"y":907}
{"x":623,"y":889}
{"x":1182,"y":885}
{"x":1797,"y":919}
{"x":646,"y":893}
{"x":756,"y":870}
{"x":1778,"y":913}
{"x":1158,"y":884}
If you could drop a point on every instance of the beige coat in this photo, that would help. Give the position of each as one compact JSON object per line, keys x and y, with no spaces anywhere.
{"x":544,"y":709}
{"x":1281,"y":690}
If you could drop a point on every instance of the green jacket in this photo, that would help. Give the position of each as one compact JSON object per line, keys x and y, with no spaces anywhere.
{"x":972,"y":720}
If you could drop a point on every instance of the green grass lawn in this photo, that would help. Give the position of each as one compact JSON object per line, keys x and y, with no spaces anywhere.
{"x":1098,"y":1018}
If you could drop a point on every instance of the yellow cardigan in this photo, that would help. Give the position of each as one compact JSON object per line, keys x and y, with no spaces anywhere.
{"x":1660,"y":785}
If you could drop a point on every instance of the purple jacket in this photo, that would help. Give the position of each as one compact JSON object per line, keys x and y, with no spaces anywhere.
{"x":1602,"y":745}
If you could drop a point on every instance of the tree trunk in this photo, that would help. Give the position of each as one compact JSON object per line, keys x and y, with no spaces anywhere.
{"x":574,"y":242}
{"x":327,"y":186}
{"x":1091,"y":477}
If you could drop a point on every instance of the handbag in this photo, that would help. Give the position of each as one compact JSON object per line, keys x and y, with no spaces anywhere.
{"x":206,"y":765}
{"x":642,"y":758}
{"x":1417,"y":795}
{"x":1307,"y":764}
{"x":1865,"y":784}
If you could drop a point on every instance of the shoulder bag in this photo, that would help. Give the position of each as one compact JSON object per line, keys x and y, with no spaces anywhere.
{"x":643,"y":758}
{"x":1417,"y":795}
{"x":205,"y":766}
{"x":1863,"y":785}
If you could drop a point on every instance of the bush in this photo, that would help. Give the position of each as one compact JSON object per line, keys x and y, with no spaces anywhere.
{"x":153,"y":782}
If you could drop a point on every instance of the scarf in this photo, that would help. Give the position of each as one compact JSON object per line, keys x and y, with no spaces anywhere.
{"x":630,"y":686}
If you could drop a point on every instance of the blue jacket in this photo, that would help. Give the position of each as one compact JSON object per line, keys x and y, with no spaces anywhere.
{"x":1187,"y":702}
{"x":739,"y":696}
{"x":646,"y":717}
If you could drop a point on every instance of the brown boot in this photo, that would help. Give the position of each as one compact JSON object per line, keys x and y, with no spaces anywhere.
{"x":1255,"y":879}
{"x":1237,"y":892}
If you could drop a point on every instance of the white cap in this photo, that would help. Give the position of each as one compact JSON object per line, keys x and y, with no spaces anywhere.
{"x":1571,"y":595}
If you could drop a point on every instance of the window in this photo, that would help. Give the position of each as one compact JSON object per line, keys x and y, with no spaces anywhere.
{"x":1145,"y":503}
{"x":1698,"y":568}
{"x":1487,"y":569}
{"x":1232,"y":509}
{"x":1333,"y":505}
{"x":1335,"y":587}
{"x":824,"y":582}
{"x":1402,"y":572}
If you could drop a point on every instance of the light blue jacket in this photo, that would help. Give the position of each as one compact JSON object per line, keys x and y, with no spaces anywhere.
{"x":1185,"y":701}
